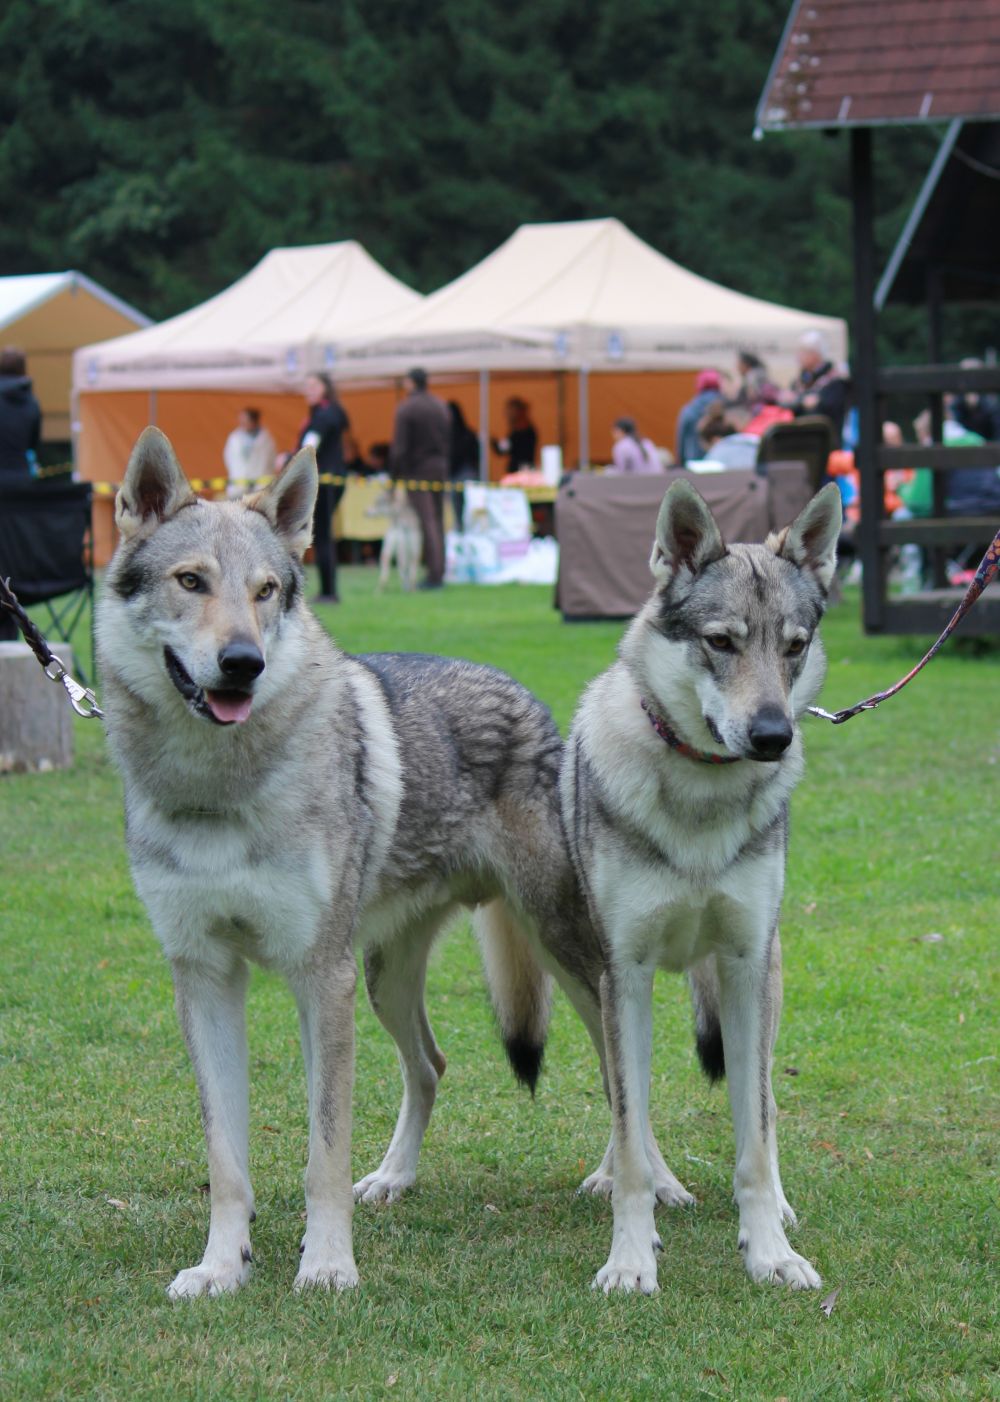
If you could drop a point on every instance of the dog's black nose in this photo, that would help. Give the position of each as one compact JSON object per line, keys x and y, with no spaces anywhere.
{"x":241,"y":662}
{"x":770,"y":733}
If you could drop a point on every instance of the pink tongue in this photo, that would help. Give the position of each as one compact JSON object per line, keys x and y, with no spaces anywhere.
{"x":229,"y":707}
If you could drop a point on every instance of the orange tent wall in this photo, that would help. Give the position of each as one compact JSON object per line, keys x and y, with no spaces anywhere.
{"x":198,"y":421}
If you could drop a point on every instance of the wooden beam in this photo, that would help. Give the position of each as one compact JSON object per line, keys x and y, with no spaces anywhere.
{"x":939,"y":457}
{"x":950,"y":530}
{"x":938,"y":379}
{"x":863,"y":369}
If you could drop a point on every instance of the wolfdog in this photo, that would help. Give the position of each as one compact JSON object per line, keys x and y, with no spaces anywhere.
{"x":286,"y":803}
{"x":675,"y":788}
{"x":401,"y":542}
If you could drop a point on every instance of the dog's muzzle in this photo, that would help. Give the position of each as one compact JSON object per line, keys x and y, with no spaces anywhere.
{"x":229,"y":705}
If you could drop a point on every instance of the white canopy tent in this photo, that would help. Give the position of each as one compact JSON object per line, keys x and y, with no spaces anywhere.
{"x":49,"y":316}
{"x":583,"y":296}
{"x":263,"y":334}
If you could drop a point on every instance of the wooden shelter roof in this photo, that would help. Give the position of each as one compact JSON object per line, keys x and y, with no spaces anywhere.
{"x":848,"y":63}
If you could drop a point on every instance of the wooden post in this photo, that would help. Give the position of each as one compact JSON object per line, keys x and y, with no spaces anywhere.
{"x":36,"y":719}
{"x":863,"y":369}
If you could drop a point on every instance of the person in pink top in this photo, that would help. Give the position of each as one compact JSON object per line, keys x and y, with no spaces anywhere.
{"x":629,"y":452}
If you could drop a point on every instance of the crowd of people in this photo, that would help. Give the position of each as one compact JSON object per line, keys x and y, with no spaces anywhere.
{"x":721,"y":425}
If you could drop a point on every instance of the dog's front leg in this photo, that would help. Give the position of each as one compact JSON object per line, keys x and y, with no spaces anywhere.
{"x":211,"y":1006}
{"x":324,"y":991}
{"x":627,"y":1011}
{"x":748,"y":1019}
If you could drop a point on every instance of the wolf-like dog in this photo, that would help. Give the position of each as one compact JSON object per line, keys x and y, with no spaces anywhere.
{"x":287,"y":803}
{"x":402,"y":539}
{"x":675,"y":788}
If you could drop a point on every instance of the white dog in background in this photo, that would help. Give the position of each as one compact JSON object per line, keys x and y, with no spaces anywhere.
{"x":402,"y":540}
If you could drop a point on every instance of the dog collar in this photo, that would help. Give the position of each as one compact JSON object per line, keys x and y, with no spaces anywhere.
{"x":676,"y":743}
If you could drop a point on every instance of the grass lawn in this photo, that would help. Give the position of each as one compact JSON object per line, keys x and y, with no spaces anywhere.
{"x":477,"y":1285}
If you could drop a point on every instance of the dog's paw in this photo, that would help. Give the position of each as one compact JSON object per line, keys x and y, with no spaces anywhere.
{"x":327,"y":1276}
{"x":670,"y":1192}
{"x":632,"y":1276}
{"x":382,"y":1186}
{"x":787,"y":1213}
{"x":780,"y":1266}
{"x":599,"y":1183}
{"x":209,"y":1280}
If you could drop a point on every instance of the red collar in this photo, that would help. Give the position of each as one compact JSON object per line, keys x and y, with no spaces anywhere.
{"x":676,"y":743}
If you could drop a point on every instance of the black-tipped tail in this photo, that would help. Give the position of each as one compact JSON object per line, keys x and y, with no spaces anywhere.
{"x":708,"y":1043}
{"x":525,"y":1059}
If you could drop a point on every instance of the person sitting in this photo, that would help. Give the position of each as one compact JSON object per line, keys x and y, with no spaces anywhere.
{"x":707,"y":390}
{"x":630,"y":453}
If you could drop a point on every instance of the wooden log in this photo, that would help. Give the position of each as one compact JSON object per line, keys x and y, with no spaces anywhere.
{"x":36,"y":719}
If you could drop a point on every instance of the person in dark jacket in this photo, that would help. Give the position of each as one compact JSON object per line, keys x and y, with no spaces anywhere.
{"x":521,"y":444}
{"x":463,"y":464}
{"x":421,"y":447}
{"x":20,"y":417}
{"x":820,"y":388}
{"x":324,"y":430}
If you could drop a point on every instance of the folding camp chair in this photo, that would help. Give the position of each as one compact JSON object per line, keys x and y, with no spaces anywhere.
{"x":809,"y":439}
{"x":46,"y":548}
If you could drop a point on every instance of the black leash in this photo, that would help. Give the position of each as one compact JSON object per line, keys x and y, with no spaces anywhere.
{"x":81,"y":698}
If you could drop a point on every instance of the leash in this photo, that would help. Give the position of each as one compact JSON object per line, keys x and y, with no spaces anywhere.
{"x":81,"y":698}
{"x":984,"y":575}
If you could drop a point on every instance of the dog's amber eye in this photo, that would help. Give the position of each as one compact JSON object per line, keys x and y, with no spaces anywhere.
{"x":188,"y":580}
{"x":266,"y":590}
{"x":796,"y":647}
{"x":719,"y":642}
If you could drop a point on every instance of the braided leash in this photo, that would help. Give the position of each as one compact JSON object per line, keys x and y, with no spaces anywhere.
{"x":81,"y":698}
{"x":984,"y":575}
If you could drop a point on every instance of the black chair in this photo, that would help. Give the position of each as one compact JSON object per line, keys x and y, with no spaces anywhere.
{"x":46,"y":549}
{"x":809,"y":440}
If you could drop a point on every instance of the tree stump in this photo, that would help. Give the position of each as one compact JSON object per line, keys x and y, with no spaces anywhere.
{"x":36,"y":719}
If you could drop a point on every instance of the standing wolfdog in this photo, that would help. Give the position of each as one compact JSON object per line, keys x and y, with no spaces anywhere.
{"x":675,"y":790}
{"x":286,"y":803}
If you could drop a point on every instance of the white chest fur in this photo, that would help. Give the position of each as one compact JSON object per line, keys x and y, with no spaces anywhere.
{"x":211,"y":883}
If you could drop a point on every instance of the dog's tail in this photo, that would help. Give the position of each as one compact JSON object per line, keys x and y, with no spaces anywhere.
{"x":704,"y":981}
{"x":520,"y":989}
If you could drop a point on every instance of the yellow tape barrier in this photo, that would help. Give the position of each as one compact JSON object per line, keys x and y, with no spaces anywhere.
{"x":327,"y":479}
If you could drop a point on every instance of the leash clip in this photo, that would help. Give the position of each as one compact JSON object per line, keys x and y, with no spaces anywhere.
{"x":81,"y":698}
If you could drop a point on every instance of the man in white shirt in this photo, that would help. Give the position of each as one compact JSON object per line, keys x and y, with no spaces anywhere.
{"x":249,"y":453}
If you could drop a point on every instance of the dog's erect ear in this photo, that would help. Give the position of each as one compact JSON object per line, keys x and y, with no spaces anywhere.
{"x":686,"y":534}
{"x":811,"y":540}
{"x":154,"y":486}
{"x":289,"y":501}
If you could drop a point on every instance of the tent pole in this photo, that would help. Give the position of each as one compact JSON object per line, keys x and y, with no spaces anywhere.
{"x":152,"y":406}
{"x":484,"y":425}
{"x":584,"y":407}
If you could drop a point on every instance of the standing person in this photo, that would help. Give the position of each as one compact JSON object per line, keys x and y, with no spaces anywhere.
{"x":248,"y":453}
{"x":521,"y":443}
{"x":20,"y":418}
{"x":421,"y":444}
{"x":463,"y":458}
{"x":630,"y":453}
{"x":707,"y":390}
{"x":820,"y":387}
{"x":20,"y":430}
{"x":324,"y":431}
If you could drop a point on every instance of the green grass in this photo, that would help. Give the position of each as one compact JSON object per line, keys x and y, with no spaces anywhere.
{"x":477,"y":1285}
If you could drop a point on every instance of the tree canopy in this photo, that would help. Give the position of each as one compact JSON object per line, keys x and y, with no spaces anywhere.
{"x":163,"y":148}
